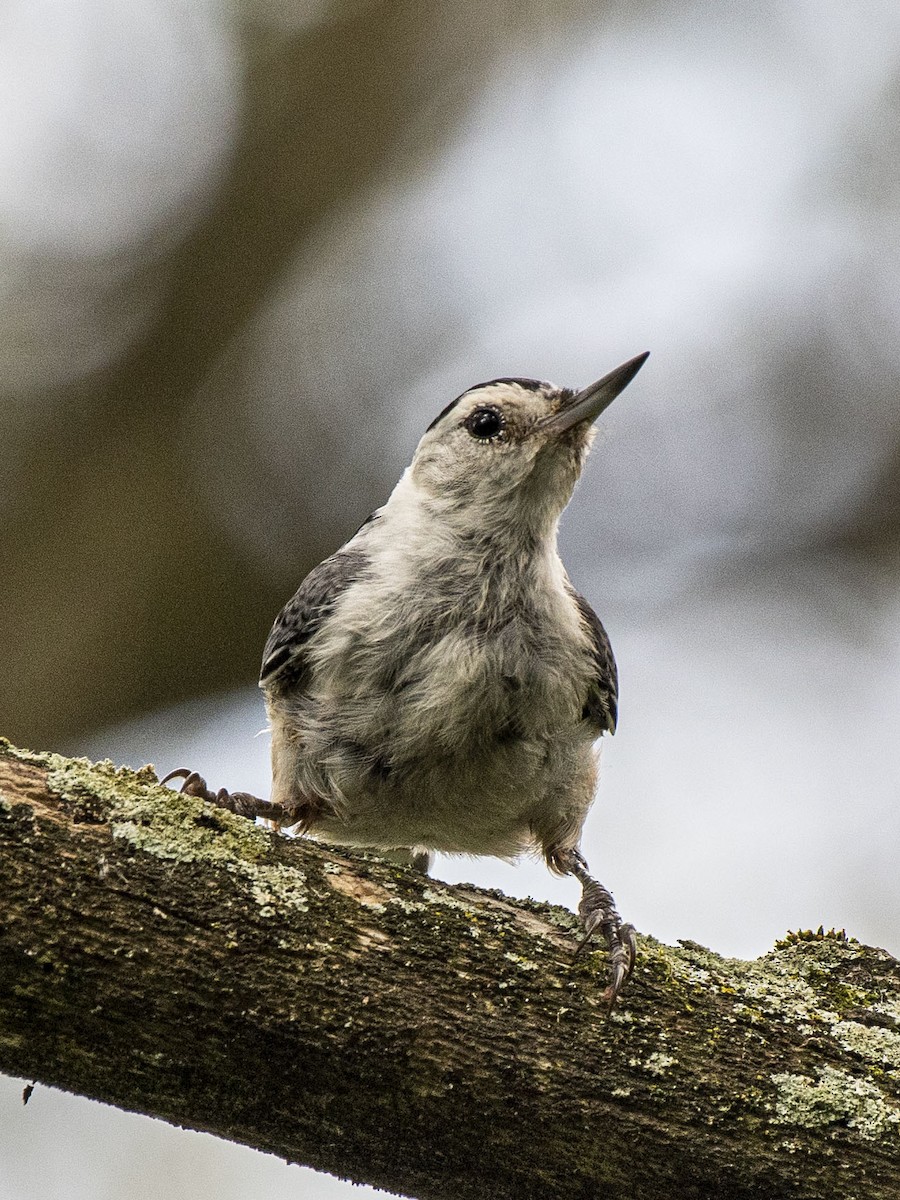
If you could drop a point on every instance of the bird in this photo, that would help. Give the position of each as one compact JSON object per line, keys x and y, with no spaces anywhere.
{"x":438,"y":684}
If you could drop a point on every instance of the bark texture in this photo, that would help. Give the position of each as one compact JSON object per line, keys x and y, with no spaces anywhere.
{"x":172,"y":959}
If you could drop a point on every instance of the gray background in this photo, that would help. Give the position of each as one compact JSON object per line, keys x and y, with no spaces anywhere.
{"x":248,"y":251}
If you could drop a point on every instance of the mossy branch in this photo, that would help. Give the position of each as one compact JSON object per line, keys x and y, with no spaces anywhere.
{"x":170,"y":958}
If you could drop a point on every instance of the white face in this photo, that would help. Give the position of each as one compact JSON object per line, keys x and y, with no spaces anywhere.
{"x":491,"y":449}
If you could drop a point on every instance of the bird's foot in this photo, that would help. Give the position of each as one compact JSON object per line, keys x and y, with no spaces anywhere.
{"x":597,"y":911}
{"x":241,"y":803}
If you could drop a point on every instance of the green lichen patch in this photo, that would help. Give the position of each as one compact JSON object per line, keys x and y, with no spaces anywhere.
{"x":184,"y":829}
{"x":873,"y":1043}
{"x":656,"y":1064}
{"x":524,"y":964}
{"x":835,"y":1097}
{"x":811,"y":935}
{"x":803,"y":981}
{"x":171,"y":826}
{"x":807,"y":988}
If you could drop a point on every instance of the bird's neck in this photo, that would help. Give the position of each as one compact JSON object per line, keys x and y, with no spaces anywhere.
{"x":490,"y":520}
{"x":478,"y":550}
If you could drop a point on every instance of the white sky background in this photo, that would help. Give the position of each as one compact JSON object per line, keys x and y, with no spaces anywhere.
{"x":717,"y":185}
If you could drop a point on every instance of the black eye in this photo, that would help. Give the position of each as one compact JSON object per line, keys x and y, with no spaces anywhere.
{"x":484,"y":423}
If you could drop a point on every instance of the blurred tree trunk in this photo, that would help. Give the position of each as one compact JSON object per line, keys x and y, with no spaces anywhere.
{"x":107,"y":514}
{"x":169,"y":958}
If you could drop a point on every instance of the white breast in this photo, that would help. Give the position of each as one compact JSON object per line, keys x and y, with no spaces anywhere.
{"x":446,"y":703}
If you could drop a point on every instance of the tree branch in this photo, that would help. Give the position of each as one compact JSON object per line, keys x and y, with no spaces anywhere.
{"x":172,"y":959}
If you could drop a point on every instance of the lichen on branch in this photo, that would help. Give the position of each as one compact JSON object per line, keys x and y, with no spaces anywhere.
{"x":167,"y":956}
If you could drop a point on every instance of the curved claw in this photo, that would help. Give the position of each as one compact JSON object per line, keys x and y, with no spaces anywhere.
{"x":622,"y":950}
{"x":597,"y":910}
{"x":622,"y":953}
{"x":178,"y":773}
{"x":194,"y":784}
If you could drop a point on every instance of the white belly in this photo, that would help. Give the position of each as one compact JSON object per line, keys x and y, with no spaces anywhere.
{"x":458,"y":756}
{"x":425,"y":723}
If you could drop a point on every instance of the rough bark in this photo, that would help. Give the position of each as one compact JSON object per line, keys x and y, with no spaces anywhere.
{"x":172,"y":959}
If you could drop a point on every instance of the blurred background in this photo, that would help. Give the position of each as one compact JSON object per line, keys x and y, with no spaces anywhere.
{"x":248,"y":250}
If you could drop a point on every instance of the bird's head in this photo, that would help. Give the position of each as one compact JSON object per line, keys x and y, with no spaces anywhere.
{"x":513,"y":449}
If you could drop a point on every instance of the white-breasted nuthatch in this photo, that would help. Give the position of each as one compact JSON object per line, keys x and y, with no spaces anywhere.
{"x":438,"y":683}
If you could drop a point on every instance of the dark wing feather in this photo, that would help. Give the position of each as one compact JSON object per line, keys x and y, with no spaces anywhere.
{"x":601,"y":704}
{"x":284,"y":658}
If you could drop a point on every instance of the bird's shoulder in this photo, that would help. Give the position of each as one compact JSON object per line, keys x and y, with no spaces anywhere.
{"x":601,"y":704}
{"x":285,"y":655}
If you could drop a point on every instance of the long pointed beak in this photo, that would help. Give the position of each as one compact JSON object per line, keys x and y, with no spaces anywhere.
{"x":589,"y":403}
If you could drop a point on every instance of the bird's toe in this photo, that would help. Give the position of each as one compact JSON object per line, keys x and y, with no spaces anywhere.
{"x":598,"y":914}
{"x":193,"y":783}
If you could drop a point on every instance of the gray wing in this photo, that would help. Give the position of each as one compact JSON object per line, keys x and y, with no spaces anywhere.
{"x":285,"y":660}
{"x":601,"y":705}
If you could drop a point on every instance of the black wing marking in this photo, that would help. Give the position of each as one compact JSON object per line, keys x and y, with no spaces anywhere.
{"x":372,"y":517}
{"x":601,"y":706}
{"x":284,"y":659}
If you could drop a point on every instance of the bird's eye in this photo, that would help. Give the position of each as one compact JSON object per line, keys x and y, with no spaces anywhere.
{"x":484,"y":423}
